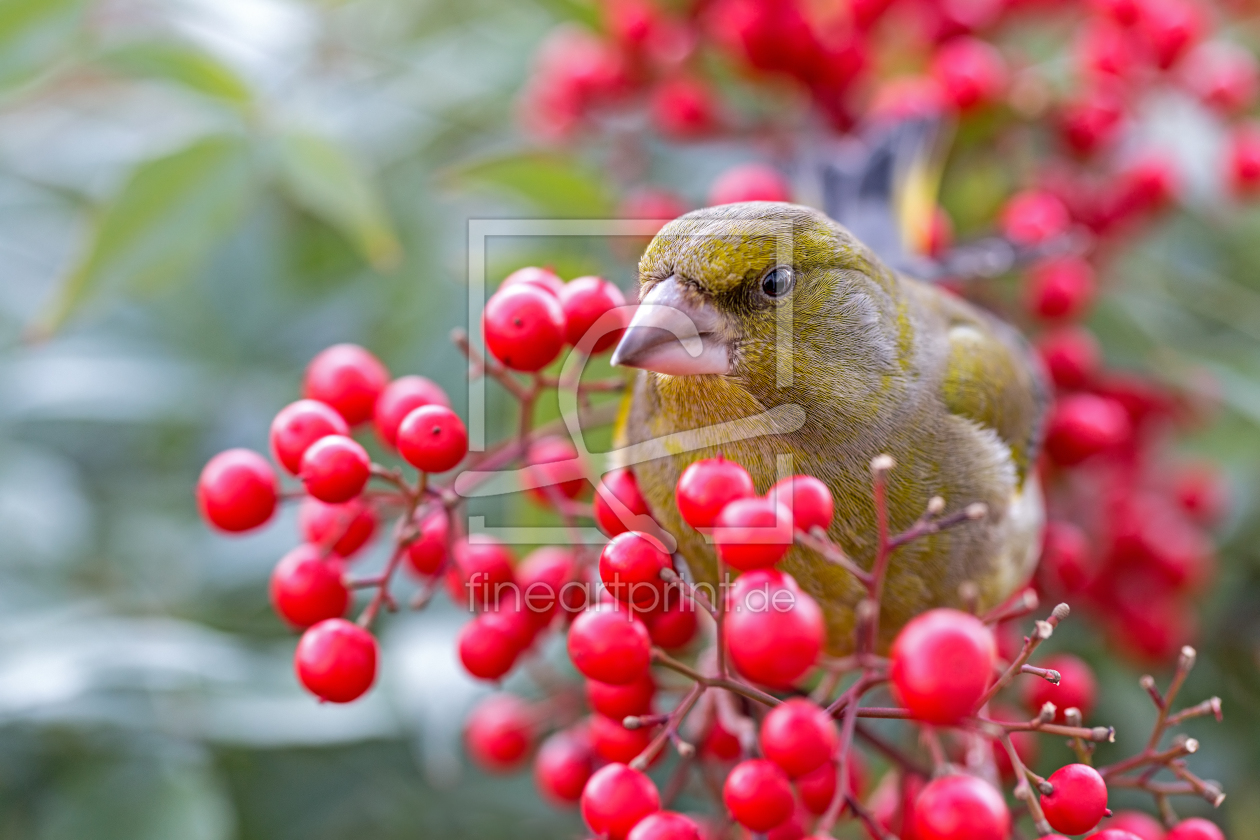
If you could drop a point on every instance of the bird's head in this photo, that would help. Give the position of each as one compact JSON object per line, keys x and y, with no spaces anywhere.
{"x":725,"y":290}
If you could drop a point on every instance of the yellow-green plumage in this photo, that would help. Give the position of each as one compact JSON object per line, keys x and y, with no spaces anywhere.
{"x":880,"y":364}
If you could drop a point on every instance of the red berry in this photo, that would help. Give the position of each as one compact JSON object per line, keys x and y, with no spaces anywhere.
{"x":1107,"y":50}
{"x":401,"y":397}
{"x":613,"y":742}
{"x":584,"y":300}
{"x":1195,"y":828}
{"x":970,"y":71}
{"x":1146,"y":186}
{"x":707,"y":486}
{"x":665,"y":825}
{"x":427,"y":551}
{"x":753,"y":533}
{"x":1079,"y":799}
{"x":1092,"y":120}
{"x":348,"y":378}
{"x":623,"y":487}
{"x":1201,"y":491}
{"x":616,"y":798}
{"x":1083,"y":425}
{"x":343,"y":528}
{"x":542,"y":278}
{"x":1244,"y":159}
{"x":1223,"y":76}
{"x":961,"y":808}
{"x":1077,"y":689}
{"x":1071,"y":355}
{"x":1033,"y":217}
{"x":482,"y":573}
{"x":758,"y":795}
{"x":237,"y":490}
{"x":335,"y":469}
{"x":620,"y":701}
{"x":563,"y":766}
{"x":674,"y":626}
{"x":432,"y":439}
{"x":524,"y":327}
{"x":1066,"y":561}
{"x":1112,"y":834}
{"x":1170,"y":28}
{"x":630,"y":567}
{"x":942,"y":661}
{"x":1062,"y":287}
{"x":818,"y":788}
{"x":799,"y":736}
{"x":1123,"y":12}
{"x":488,"y":646}
{"x":336,"y":660}
{"x":306,"y":588}
{"x":552,"y":466}
{"x":684,"y":108}
{"x":807,"y":499}
{"x":1142,"y":826}
{"x":749,"y":182}
{"x":499,"y":733}
{"x":720,"y":743}
{"x":774,"y":631}
{"x":609,"y":645}
{"x":300,"y":424}
{"x":545,"y":576}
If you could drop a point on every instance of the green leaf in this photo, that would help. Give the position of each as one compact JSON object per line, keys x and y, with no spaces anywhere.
{"x":322,"y":178}
{"x":555,"y":185}
{"x":35,"y":33}
{"x":170,"y":213}
{"x":182,"y":64}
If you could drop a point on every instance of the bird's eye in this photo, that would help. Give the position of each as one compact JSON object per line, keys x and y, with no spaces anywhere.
{"x":778,"y":281}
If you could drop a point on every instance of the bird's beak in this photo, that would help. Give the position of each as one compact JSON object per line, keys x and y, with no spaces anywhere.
{"x":674,"y":332}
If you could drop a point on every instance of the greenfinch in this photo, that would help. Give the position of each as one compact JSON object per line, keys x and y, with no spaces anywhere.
{"x":769,"y":335}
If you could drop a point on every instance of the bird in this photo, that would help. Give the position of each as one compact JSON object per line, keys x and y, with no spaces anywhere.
{"x":768,"y":334}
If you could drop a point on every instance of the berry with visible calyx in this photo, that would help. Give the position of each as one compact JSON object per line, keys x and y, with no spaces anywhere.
{"x":1195,"y":828}
{"x":614,"y":742}
{"x":1142,"y":826}
{"x":300,"y":424}
{"x":684,"y":108}
{"x":749,"y":182}
{"x":432,"y":439}
{"x":674,"y":626}
{"x":499,"y":732}
{"x":799,"y":736}
{"x":336,"y":660}
{"x":609,"y":645}
{"x":348,"y":378}
{"x":623,"y":486}
{"x":774,"y":631}
{"x":488,"y":646}
{"x":616,"y":798}
{"x":1033,"y":217}
{"x":306,"y":588}
{"x":401,"y":397}
{"x":807,"y":499}
{"x":1077,"y":689}
{"x":1079,"y":799}
{"x":524,"y":327}
{"x":482,"y":572}
{"x":942,"y":661}
{"x":753,"y":533}
{"x":427,"y":552}
{"x":961,"y":808}
{"x":552,"y":466}
{"x":564,"y":764}
{"x":970,"y":71}
{"x":630,"y":567}
{"x":620,"y":701}
{"x":1060,"y":288}
{"x":584,"y":301}
{"x":708,"y":486}
{"x":757,"y":794}
{"x":1084,"y":425}
{"x":1071,"y":356}
{"x":237,"y":490}
{"x":335,"y":469}
{"x":665,"y":825}
{"x":343,"y":528}
{"x":542,"y":278}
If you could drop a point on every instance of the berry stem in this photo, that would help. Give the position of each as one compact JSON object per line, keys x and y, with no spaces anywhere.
{"x":670,"y":730}
{"x":1042,"y":631}
{"x":1023,"y":790}
{"x":662,"y":658}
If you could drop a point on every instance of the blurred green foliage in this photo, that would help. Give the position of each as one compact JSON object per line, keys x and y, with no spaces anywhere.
{"x":198,"y":195}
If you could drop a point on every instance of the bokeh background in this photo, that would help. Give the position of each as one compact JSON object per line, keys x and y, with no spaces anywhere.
{"x":198,"y":195}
